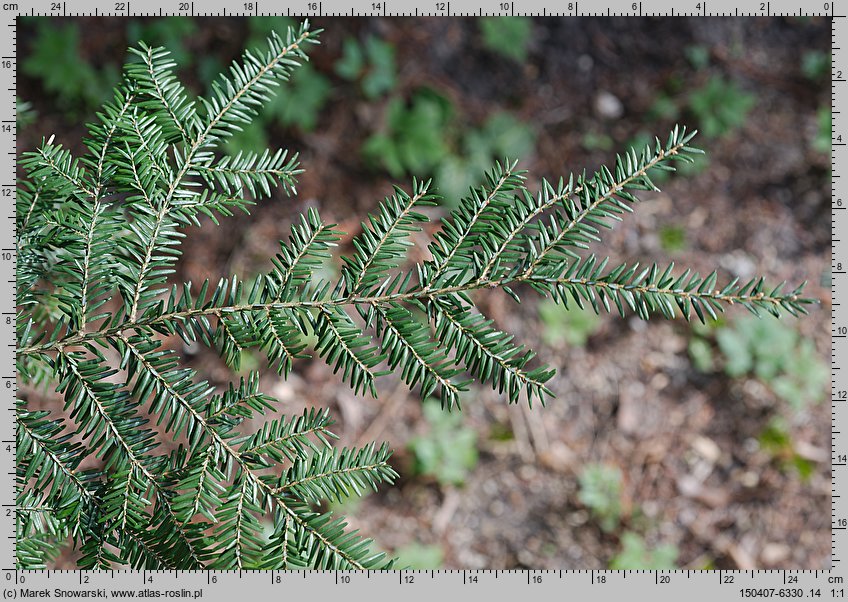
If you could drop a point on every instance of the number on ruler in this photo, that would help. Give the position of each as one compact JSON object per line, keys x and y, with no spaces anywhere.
{"x":377,"y":6}
{"x":762,"y":6}
{"x":120,"y":6}
{"x":635,"y":6}
{"x":55,"y":6}
{"x":248,"y":6}
{"x":312,"y":6}
{"x":184,"y":6}
{"x":504,"y":6}
{"x":7,"y":64}
{"x":440,"y":6}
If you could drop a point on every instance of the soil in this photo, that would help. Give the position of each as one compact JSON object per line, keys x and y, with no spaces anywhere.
{"x":687,"y":443}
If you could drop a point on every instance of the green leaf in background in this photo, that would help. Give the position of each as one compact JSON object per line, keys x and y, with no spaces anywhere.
{"x":24,"y":113}
{"x":415,"y":139}
{"x":720,"y":106}
{"x":824,"y":131}
{"x":635,"y":555}
{"x":373,"y":62}
{"x":55,"y":59}
{"x":506,"y":136}
{"x":777,"y":355}
{"x":352,"y":62}
{"x":250,"y":137}
{"x":600,"y":492}
{"x":380,"y":77}
{"x":815,"y":64}
{"x":449,"y":450}
{"x":672,"y":238}
{"x":170,"y":32}
{"x":300,"y":102}
{"x":570,"y":326}
{"x":421,"y":557}
{"x":508,"y":36}
{"x":501,"y":135}
{"x":701,"y":355}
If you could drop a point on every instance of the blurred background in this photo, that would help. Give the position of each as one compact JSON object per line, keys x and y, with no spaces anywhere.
{"x":668,"y":444}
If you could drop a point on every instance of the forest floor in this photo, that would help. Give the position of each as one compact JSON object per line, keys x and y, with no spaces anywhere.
{"x":721,"y":469}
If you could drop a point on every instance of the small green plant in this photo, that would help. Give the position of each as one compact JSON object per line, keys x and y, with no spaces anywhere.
{"x":636,"y":555}
{"x":508,"y":36}
{"x":448,"y":451}
{"x":170,"y":32}
{"x":227,"y":479}
{"x":701,"y":353}
{"x":672,"y":238}
{"x":420,"y":557}
{"x":600,"y":491}
{"x":415,"y":139}
{"x":777,"y":355}
{"x":824,"y":131}
{"x":776,"y":440}
{"x":372,"y":64}
{"x":501,"y":135}
{"x":720,"y":106}
{"x":664,"y":108}
{"x":24,"y":113}
{"x":567,"y":325}
{"x":298,"y":105}
{"x":594,"y":141}
{"x":55,"y":60}
{"x":698,"y":56}
{"x":815,"y":65}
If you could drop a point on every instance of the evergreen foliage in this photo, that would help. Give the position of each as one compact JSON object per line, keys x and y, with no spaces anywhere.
{"x":99,"y":237}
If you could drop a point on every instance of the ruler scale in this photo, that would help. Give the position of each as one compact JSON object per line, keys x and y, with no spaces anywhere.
{"x":423,"y":585}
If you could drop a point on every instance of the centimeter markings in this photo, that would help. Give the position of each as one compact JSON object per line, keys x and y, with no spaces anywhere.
{"x":8,"y":260}
{"x":458,"y":8}
{"x":839,"y":320}
{"x":224,"y":585}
